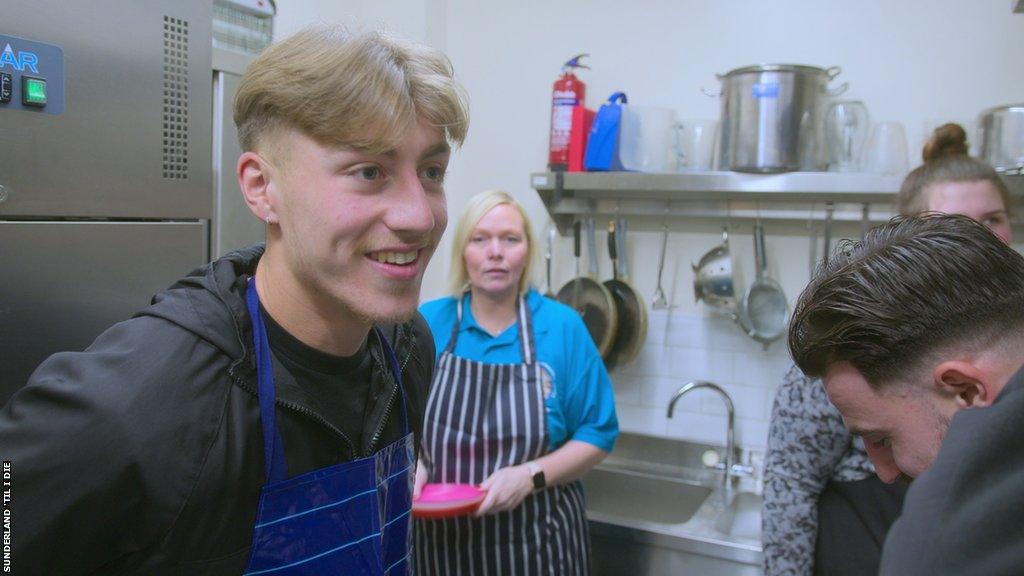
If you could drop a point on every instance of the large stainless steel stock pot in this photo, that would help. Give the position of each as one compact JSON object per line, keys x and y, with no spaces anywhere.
{"x":772,"y":117}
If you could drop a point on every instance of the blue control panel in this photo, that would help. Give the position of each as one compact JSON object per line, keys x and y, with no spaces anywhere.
{"x":31,"y":76}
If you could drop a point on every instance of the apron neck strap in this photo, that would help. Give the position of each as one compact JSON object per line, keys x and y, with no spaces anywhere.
{"x":450,"y":348}
{"x":396,"y":373}
{"x":524,"y":319}
{"x":273,"y":445}
{"x":525,"y":330}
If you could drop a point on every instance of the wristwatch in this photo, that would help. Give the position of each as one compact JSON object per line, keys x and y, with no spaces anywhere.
{"x":537,"y":473}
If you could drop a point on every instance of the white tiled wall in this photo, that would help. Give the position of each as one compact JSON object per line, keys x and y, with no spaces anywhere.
{"x":680,"y":348}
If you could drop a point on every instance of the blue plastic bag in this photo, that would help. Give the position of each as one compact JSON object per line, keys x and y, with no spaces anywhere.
{"x":603,"y":143}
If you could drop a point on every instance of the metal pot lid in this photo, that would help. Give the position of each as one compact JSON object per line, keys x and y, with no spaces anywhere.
{"x":758,"y":68}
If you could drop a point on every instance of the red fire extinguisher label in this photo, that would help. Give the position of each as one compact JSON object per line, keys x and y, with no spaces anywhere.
{"x":561,"y":119}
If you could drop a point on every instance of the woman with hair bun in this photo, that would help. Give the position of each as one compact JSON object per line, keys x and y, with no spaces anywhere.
{"x":825,"y":510}
{"x":950,"y":181}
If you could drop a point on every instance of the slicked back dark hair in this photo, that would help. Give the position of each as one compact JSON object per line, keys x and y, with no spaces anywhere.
{"x":913,"y":286}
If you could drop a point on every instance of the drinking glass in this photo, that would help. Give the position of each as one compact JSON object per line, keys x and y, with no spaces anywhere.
{"x":696,"y":145}
{"x":886,"y":150}
{"x":846,"y":127}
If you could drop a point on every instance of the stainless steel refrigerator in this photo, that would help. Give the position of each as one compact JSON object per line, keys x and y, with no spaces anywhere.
{"x":105,"y":166}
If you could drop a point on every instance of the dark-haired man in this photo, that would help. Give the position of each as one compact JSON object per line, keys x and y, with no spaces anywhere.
{"x":918,"y":335}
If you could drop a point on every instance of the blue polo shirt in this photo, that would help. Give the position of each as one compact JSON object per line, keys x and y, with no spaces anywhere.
{"x":581,"y":404}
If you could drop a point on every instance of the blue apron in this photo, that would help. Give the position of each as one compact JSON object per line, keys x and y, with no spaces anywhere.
{"x":350,"y":518}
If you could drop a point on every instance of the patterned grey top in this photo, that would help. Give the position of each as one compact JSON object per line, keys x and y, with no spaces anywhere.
{"x":808,"y":445}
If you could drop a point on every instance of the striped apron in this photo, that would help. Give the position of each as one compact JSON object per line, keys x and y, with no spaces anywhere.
{"x":480,"y":418}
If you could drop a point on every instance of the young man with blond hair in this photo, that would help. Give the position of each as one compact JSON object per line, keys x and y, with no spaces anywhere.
{"x":257,"y":417}
{"x":918,"y":335}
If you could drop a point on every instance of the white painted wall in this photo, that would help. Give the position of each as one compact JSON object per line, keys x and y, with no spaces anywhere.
{"x":914,"y":61}
{"x":420,"y":20}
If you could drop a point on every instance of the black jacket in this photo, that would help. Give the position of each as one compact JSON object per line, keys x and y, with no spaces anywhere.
{"x":143,"y":454}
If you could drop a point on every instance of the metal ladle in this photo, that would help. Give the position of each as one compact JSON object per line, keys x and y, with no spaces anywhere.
{"x":659,"y":302}
{"x":547,"y":257}
{"x":827,"y":243}
{"x":829,"y":208}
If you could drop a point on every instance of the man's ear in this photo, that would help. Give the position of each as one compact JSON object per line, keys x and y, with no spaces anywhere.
{"x":254,"y":178}
{"x":965,"y":382}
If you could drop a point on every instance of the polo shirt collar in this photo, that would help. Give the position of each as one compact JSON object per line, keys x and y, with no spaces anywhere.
{"x":533,"y":300}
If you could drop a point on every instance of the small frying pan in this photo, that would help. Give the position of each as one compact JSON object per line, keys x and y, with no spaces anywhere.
{"x":590,"y":298}
{"x":630,"y":305}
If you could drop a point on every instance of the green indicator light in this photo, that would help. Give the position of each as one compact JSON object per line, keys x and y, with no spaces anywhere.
{"x":34,"y":91}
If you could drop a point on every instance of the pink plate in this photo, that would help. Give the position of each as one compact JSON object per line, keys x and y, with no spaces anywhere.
{"x":446,"y":500}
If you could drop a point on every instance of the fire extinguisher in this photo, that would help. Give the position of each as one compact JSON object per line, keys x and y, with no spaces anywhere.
{"x":568,"y":92}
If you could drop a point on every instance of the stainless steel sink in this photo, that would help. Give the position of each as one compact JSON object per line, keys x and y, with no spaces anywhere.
{"x":742,"y":517}
{"x":654,"y":508}
{"x":638,"y":496}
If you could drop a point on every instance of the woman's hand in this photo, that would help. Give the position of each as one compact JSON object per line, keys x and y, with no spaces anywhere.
{"x":506,"y":489}
{"x":421,"y":479}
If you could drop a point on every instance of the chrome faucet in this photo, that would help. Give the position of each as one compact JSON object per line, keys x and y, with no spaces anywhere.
{"x":730,"y":440}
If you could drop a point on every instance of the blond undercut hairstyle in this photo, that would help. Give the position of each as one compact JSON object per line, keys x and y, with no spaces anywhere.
{"x":476,"y":209}
{"x":363,"y":90}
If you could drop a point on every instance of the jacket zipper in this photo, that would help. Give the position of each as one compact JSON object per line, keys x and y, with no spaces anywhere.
{"x":356,"y":453}
{"x":391,"y":399}
{"x":304,"y":412}
{"x":383,"y":420}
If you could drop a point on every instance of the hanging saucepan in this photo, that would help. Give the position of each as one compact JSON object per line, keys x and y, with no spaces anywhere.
{"x":763,"y":309}
{"x":630,"y":305}
{"x":590,"y":298}
{"x":712,"y":281}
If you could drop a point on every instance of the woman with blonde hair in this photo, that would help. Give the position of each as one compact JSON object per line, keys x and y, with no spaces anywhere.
{"x":521,"y":405}
{"x":825,"y":509}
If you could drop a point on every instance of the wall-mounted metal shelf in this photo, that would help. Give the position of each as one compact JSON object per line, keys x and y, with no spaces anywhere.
{"x":734,"y":195}
{"x":801,"y":186}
